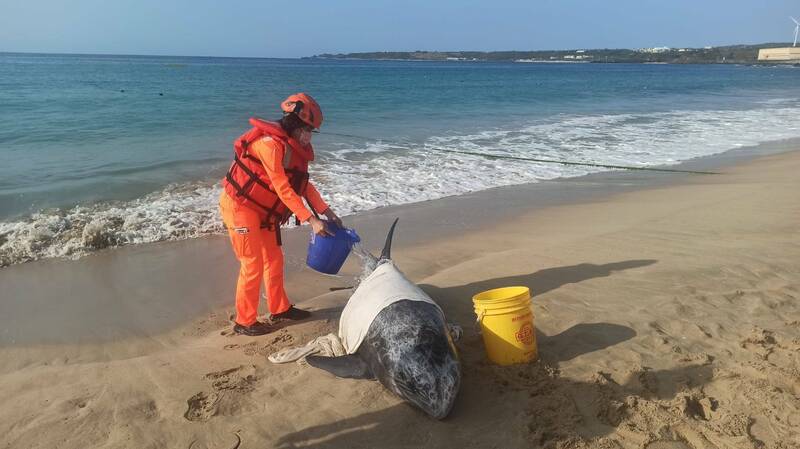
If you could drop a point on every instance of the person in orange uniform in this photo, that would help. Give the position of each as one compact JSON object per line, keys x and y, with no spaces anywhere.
{"x":265,"y":186}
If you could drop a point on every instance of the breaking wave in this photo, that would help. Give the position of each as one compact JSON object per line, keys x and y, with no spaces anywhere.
{"x":364,"y":175}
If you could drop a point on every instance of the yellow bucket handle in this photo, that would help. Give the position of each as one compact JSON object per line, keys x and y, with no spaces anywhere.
{"x":478,"y":321}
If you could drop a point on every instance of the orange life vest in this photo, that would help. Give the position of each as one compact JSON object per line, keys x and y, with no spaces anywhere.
{"x":247,"y":181}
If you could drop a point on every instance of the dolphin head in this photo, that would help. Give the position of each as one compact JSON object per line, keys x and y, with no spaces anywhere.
{"x":429,"y":376}
{"x":413,"y":355}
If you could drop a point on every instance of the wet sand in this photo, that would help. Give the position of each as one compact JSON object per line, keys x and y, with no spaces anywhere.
{"x":666,"y":310}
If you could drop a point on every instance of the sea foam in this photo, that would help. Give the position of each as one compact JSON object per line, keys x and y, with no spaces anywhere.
{"x":365,"y":174}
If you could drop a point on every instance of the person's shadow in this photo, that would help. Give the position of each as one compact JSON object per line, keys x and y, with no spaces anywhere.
{"x":541,"y":281}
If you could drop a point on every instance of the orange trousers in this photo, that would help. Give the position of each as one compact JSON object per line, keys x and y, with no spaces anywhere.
{"x":260,"y":258}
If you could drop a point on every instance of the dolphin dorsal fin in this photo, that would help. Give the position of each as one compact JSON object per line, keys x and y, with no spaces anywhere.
{"x":387,"y":247}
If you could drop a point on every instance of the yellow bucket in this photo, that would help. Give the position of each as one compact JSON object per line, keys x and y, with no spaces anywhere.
{"x":506,"y":319}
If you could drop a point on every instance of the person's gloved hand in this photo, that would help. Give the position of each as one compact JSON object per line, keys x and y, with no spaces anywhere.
{"x":318,"y":227}
{"x":331,"y":215}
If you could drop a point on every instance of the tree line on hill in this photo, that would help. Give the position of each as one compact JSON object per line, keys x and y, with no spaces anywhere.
{"x":732,"y":54}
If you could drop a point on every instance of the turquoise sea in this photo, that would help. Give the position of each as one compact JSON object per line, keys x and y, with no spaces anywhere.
{"x":99,"y":151}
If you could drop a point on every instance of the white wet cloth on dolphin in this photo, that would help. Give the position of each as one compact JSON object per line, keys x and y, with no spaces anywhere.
{"x":327,"y":345}
{"x":382,"y":288}
{"x":331,"y":346}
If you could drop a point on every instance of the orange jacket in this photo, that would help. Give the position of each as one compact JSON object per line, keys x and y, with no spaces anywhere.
{"x":270,"y":153}
{"x":269,"y":174}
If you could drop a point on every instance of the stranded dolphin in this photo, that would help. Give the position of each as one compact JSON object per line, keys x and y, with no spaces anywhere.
{"x":395,"y":333}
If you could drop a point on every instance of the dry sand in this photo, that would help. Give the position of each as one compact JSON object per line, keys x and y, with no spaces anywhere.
{"x":667,"y":318}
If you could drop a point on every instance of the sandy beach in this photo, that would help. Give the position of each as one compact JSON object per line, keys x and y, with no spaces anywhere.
{"x":666,"y":309}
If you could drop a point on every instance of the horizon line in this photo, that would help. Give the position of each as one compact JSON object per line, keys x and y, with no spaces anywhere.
{"x":361,"y":52}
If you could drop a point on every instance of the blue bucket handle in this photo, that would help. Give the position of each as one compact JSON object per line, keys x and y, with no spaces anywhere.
{"x":333,"y":227}
{"x":354,"y":238}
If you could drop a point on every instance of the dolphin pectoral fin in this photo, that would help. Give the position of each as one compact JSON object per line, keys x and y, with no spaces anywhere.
{"x":455,"y":331}
{"x":347,"y":366}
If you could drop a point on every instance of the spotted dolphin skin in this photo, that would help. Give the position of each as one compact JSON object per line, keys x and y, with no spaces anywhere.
{"x":395,"y":333}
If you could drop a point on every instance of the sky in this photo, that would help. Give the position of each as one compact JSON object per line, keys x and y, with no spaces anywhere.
{"x":296,"y":28}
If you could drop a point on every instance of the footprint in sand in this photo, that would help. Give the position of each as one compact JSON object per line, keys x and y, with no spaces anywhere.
{"x":231,"y":383}
{"x":239,"y":379}
{"x":759,"y":337}
{"x":264,"y":347}
{"x":763,"y":343}
{"x":202,"y":406}
{"x":248,"y":348}
{"x":695,"y":406}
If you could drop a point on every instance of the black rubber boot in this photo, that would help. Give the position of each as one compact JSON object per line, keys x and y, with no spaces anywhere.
{"x":253,"y":330}
{"x":293,"y":314}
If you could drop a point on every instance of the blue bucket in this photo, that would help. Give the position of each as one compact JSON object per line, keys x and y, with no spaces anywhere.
{"x":327,"y":254}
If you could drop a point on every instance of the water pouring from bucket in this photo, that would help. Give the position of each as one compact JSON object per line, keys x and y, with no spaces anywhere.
{"x":326,"y":254}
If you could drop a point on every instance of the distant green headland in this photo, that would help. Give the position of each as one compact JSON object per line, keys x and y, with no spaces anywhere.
{"x":731,"y":54}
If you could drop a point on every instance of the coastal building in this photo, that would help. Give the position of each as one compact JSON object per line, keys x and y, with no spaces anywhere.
{"x":783,"y":54}
{"x":654,"y":50}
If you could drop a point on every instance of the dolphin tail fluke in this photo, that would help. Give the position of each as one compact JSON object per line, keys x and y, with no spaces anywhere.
{"x":387,"y":247}
{"x":347,"y":366}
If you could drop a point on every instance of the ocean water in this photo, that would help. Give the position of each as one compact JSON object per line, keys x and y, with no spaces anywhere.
{"x":100,"y":151}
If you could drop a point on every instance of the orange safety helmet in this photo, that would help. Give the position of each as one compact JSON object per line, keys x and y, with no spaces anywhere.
{"x":304,"y":107}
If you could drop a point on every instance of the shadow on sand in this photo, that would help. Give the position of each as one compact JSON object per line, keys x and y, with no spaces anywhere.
{"x":539,"y":282}
{"x":580,"y":339}
{"x":547,"y":411}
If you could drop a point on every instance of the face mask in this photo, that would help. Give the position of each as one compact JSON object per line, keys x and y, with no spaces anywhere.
{"x":302,"y":136}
